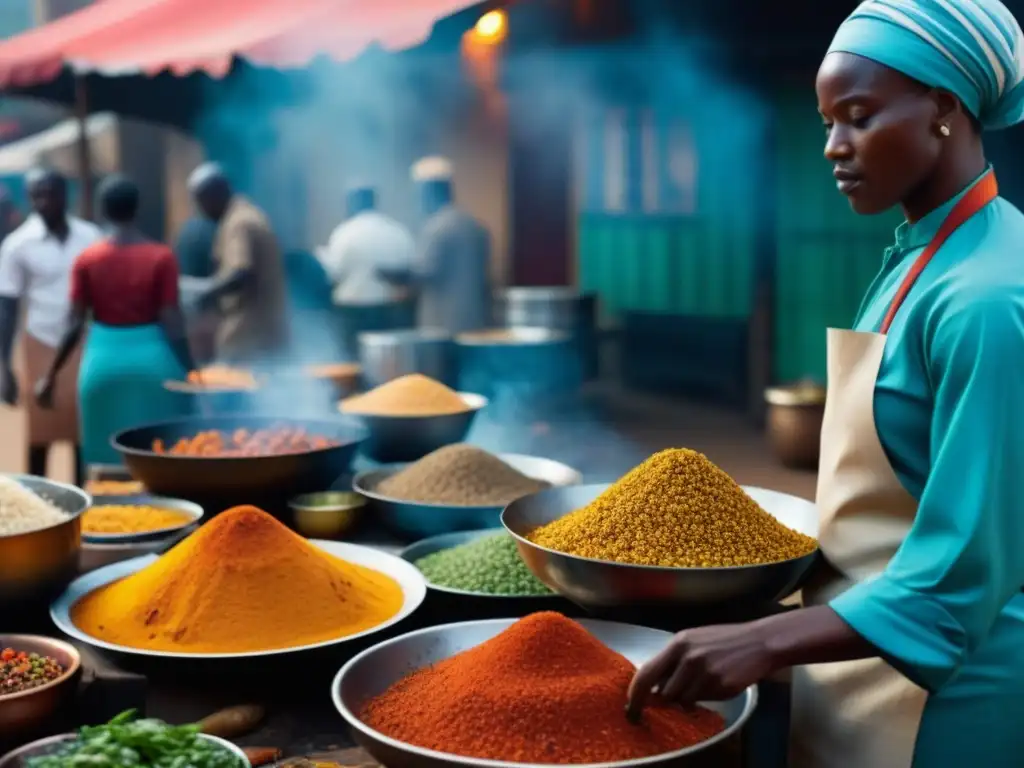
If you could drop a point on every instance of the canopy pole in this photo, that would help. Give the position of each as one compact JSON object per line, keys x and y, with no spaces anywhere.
{"x":84,"y":156}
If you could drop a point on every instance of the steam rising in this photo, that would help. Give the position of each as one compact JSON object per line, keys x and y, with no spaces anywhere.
{"x":296,"y":142}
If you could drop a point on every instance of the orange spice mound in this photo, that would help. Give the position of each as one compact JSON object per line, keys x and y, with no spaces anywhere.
{"x":241,"y":443}
{"x":543,"y":691}
{"x":412,"y":395}
{"x":223,"y":377}
{"x":242,"y":583}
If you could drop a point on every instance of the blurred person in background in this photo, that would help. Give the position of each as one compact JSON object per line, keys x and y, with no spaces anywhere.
{"x":125,"y":287}
{"x":247,"y":290}
{"x":366,"y":241}
{"x":35,"y":270}
{"x":10,"y":216}
{"x":452,"y":270}
{"x":194,"y":249}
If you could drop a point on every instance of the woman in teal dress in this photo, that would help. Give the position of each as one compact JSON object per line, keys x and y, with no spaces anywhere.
{"x":126,"y":288}
{"x":909,"y":650}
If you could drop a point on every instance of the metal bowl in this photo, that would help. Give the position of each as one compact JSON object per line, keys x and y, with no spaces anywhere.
{"x":420,"y":520}
{"x":375,"y":670}
{"x":194,"y":511}
{"x":326,"y":515}
{"x":607,"y":584}
{"x":515,"y":336}
{"x":414,"y":589}
{"x":237,"y":479}
{"x":344,"y":378}
{"x":35,"y":566}
{"x":20,"y":757}
{"x":435,"y":544}
{"x":32,"y":709}
{"x":388,"y":354}
{"x":96,"y":556}
{"x":392,"y":439}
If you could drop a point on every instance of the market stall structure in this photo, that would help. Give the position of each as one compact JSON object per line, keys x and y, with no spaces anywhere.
{"x":53,"y":65}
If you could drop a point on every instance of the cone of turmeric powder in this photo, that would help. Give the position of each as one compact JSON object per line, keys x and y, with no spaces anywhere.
{"x":241,"y":583}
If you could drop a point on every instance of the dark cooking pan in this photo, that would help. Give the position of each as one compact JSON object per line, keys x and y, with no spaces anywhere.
{"x":238,"y":480}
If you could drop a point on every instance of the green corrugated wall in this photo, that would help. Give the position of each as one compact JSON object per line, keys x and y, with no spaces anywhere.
{"x":665,"y":264}
{"x":680,"y":264}
{"x":703,"y":264}
{"x":827,"y":254}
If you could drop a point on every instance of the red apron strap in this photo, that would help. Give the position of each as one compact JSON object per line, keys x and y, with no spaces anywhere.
{"x":977,"y":197}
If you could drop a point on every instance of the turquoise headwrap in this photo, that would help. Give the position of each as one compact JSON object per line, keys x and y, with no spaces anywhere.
{"x":972,"y":48}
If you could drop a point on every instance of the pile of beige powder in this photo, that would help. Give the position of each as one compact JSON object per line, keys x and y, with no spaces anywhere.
{"x":460,"y":475}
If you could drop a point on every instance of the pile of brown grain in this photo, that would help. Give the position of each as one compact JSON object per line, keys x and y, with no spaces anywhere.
{"x":412,"y":395}
{"x":677,"y":509}
{"x":460,"y":475}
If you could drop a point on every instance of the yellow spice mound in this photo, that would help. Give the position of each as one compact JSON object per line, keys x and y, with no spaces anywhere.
{"x":677,"y":509}
{"x":412,"y":395}
{"x":243,"y":582}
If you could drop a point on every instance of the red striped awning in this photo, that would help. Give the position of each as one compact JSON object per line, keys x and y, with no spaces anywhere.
{"x":124,"y":37}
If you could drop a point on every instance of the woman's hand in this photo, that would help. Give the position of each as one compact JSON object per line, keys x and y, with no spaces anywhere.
{"x":705,"y":664}
{"x":714,"y":663}
{"x":44,"y":392}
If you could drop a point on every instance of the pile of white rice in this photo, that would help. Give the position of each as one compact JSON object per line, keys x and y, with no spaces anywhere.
{"x":22,"y":511}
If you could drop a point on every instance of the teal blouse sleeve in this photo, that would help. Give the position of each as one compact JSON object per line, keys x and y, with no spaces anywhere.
{"x":963,"y":558}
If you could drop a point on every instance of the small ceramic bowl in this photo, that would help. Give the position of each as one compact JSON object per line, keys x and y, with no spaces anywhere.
{"x":30,"y":710}
{"x":328,"y":514}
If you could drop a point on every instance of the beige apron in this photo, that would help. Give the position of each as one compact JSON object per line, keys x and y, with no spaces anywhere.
{"x":61,"y":423}
{"x":862,"y":714}
{"x":856,"y":714}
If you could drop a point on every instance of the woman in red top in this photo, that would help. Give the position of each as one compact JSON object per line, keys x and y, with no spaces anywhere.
{"x":128,"y":287}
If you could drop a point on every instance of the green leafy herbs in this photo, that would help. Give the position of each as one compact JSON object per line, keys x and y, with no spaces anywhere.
{"x":129,"y":742}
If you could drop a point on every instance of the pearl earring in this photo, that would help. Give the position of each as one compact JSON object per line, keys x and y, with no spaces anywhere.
{"x":944,"y":130}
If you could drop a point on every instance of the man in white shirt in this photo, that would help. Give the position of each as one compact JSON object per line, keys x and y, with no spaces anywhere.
{"x":35,"y":271}
{"x":366,"y":241}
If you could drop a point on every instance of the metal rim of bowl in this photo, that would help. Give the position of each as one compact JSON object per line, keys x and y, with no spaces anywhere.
{"x":516,"y":335}
{"x":476,"y":403}
{"x":471,"y":536}
{"x":431,"y":335}
{"x":115,"y":440}
{"x":359,"y":486}
{"x":26,"y":751}
{"x":200,"y":390}
{"x":73,"y":668}
{"x":74,"y":490}
{"x":320,"y":371}
{"x":410,"y":605}
{"x":295,"y":505}
{"x":196,"y":512}
{"x":750,"y":704}
{"x":653,"y":568}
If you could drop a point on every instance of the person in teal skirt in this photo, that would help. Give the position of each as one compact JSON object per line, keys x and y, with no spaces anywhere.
{"x":124,"y":301}
{"x":909,"y":647}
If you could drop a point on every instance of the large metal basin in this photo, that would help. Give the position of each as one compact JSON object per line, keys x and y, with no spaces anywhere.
{"x":607,"y":584}
{"x":375,"y":670}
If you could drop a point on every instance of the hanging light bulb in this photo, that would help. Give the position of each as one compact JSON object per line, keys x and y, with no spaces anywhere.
{"x":492,"y":27}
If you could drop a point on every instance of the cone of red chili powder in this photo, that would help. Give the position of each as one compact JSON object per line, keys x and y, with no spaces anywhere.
{"x":543,"y":691}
